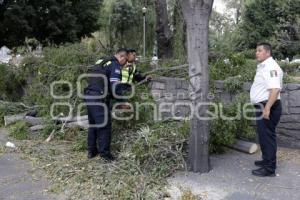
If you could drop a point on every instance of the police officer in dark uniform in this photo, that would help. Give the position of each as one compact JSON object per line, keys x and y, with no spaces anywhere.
{"x":102,"y":85}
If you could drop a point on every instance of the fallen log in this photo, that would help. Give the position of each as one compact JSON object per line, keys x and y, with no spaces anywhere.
{"x":33,"y":120}
{"x":73,"y":119}
{"x":38,"y":120}
{"x":31,"y":113}
{"x":243,"y":146}
{"x":81,"y":124}
{"x":22,"y":117}
{"x":13,"y":118}
{"x":36,"y":127}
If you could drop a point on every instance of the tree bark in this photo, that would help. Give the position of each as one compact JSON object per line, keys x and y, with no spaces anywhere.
{"x":164,"y":33}
{"x":22,"y":117}
{"x":244,"y":146}
{"x":196,"y":14}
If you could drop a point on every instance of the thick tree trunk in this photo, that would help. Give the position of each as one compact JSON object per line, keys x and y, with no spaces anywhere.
{"x":164,"y":33}
{"x":197,"y":14}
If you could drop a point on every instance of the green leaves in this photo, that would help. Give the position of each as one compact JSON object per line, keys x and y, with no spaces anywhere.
{"x":48,"y":21}
{"x":236,"y":66}
{"x":274,"y":21}
{"x":19,"y":130}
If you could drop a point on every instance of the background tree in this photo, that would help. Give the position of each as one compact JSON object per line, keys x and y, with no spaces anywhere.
{"x":123,"y":21}
{"x":286,"y":39}
{"x":179,"y":33}
{"x":274,"y":21}
{"x":51,"y":21}
{"x":196,"y":14}
{"x":115,"y":20}
{"x":221,"y":28}
{"x":237,"y":6}
{"x":163,"y":31}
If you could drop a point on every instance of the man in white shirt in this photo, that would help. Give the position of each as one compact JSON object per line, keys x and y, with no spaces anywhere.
{"x":265,"y":95}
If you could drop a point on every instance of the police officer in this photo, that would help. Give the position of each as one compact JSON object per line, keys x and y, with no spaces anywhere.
{"x":265,"y":95}
{"x":130,"y":74}
{"x":102,"y":85}
{"x":129,"y":71}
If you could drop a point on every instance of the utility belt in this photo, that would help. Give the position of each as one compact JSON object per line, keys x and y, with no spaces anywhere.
{"x":263,"y":104}
{"x":93,"y":92}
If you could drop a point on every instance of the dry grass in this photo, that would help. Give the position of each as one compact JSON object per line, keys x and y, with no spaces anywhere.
{"x":289,"y":154}
{"x":144,"y":159}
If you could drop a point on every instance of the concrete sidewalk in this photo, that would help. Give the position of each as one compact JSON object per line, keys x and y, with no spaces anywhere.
{"x":231,"y":179}
{"x":19,"y":180}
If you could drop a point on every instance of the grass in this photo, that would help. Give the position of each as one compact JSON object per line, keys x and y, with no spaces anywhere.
{"x":145,"y":157}
{"x":19,"y":130}
{"x":2,"y":149}
{"x":188,"y":195}
{"x":296,"y":78}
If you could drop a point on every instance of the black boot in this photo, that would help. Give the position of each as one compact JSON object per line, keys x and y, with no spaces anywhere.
{"x":259,"y":163}
{"x":91,"y":154}
{"x":262,"y":172}
{"x":108,"y":157}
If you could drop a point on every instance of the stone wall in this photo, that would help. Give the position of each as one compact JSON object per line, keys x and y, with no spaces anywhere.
{"x":168,"y":92}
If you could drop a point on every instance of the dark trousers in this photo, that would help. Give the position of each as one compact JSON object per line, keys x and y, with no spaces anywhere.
{"x":266,"y":133}
{"x":99,"y":130}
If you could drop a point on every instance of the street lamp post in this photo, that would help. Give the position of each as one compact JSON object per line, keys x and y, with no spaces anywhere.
{"x":144,"y":9}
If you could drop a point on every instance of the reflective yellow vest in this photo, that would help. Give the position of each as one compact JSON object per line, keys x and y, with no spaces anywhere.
{"x":128,"y":72}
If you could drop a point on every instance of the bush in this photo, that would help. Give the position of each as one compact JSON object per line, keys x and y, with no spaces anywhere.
{"x":223,"y":132}
{"x":236,"y":65}
{"x":289,"y":68}
{"x":249,"y":54}
{"x":233,"y":84}
{"x":19,"y":130}
{"x":11,"y":88}
{"x":66,"y":63}
{"x":8,"y":108}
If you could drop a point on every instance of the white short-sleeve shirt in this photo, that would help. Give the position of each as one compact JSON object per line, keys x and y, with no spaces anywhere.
{"x":268,"y":76}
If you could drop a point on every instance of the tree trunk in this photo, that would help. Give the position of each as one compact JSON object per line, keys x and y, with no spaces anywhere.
{"x":196,"y":14}
{"x":164,"y":33}
{"x":244,"y":146}
{"x":238,"y":11}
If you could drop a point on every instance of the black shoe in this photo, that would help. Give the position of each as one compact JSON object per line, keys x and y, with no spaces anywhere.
{"x":91,"y":155}
{"x":108,"y":157}
{"x":262,"y":172}
{"x":259,"y":163}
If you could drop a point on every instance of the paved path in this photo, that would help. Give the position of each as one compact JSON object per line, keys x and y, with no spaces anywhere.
{"x":231,"y":179}
{"x":18,"y":180}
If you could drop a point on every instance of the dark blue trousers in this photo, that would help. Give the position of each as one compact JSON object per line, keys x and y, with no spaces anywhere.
{"x":267,"y":135}
{"x":99,"y":130}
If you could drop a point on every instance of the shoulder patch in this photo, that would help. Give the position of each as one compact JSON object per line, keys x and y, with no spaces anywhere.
{"x":117,"y":71}
{"x":273,"y":73}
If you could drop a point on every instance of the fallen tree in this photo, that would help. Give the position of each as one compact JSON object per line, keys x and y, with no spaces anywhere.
{"x":22,"y":117}
{"x":37,"y":122}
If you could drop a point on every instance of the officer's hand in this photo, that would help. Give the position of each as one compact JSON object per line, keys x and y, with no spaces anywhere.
{"x":266,"y":113}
